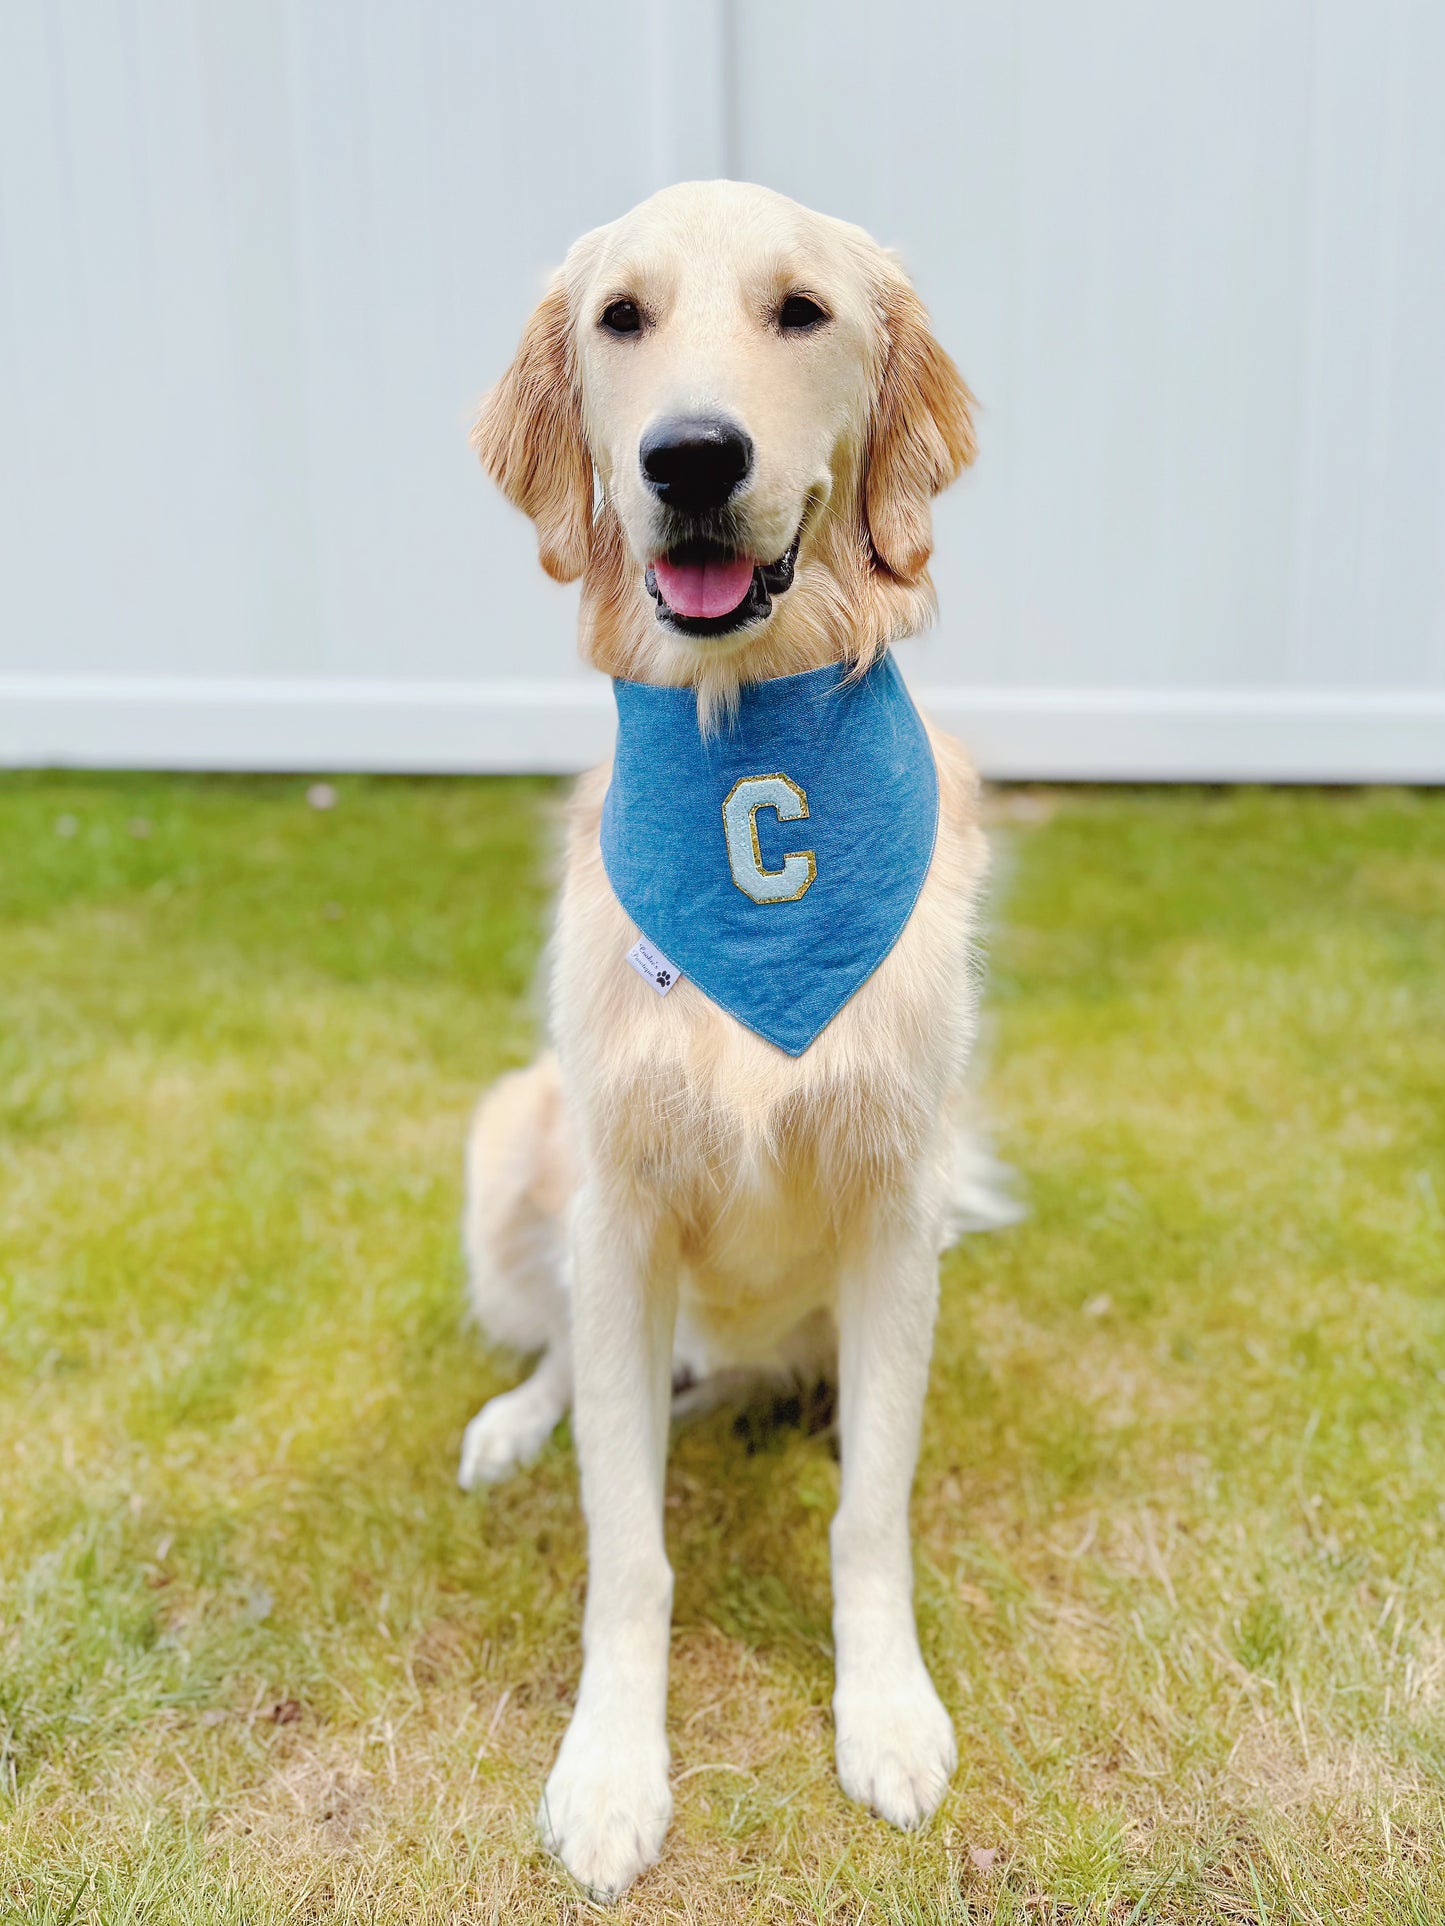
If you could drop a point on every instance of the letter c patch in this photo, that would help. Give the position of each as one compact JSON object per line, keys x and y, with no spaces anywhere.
{"x":745,"y":858}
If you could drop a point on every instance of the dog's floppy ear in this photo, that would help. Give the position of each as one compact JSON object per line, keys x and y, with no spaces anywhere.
{"x":529,"y":437}
{"x":920,"y":438}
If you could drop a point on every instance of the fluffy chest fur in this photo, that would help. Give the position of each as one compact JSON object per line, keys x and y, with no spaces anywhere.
{"x":763,"y":1169}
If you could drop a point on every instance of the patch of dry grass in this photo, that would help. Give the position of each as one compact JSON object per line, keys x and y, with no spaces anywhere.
{"x":1180,"y":1562}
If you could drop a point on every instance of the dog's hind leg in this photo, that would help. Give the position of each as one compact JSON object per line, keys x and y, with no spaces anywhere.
{"x":519,"y":1180}
{"x":510,"y":1430}
{"x":982,"y":1192}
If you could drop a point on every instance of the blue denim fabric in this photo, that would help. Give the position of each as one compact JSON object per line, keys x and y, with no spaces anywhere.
{"x":857,"y":750}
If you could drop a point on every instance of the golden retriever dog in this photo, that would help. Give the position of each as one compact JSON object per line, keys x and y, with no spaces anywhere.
{"x":728,"y":416}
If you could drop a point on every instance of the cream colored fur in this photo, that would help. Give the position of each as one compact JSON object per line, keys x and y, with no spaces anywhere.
{"x":667,"y":1189}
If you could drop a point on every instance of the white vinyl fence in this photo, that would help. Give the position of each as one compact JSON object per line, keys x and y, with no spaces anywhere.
{"x":258,"y":258}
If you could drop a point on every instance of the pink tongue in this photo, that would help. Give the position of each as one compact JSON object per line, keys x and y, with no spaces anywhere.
{"x":703,"y":588}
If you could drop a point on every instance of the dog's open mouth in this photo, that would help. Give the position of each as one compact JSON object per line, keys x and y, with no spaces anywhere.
{"x":702,"y":588}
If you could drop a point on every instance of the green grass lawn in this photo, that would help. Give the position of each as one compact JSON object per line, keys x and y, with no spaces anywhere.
{"x":1181,"y":1507}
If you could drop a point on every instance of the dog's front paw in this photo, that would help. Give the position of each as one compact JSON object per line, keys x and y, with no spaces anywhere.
{"x":896,"y":1750}
{"x":606,"y":1807}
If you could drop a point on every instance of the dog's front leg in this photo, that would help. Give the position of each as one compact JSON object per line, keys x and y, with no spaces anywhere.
{"x":607,"y":1803}
{"x":895,"y":1745}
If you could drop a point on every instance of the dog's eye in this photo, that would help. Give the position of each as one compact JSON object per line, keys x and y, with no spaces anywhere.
{"x":622,"y":317}
{"x":799,"y":313}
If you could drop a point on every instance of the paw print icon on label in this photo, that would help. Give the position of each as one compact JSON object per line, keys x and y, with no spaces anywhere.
{"x":653,"y":965}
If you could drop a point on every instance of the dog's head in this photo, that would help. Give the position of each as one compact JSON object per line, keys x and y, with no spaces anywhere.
{"x":730,"y":416}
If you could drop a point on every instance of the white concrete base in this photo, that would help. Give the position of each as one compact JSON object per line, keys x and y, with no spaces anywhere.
{"x":1095,"y":735}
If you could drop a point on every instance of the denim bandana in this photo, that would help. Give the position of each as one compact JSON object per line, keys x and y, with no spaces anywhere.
{"x":776,"y":860}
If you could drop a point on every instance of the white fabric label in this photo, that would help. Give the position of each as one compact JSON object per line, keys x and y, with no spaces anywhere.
{"x":653,"y":965}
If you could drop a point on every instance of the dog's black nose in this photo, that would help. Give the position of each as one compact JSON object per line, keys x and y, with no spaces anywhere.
{"x":694,"y":462}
